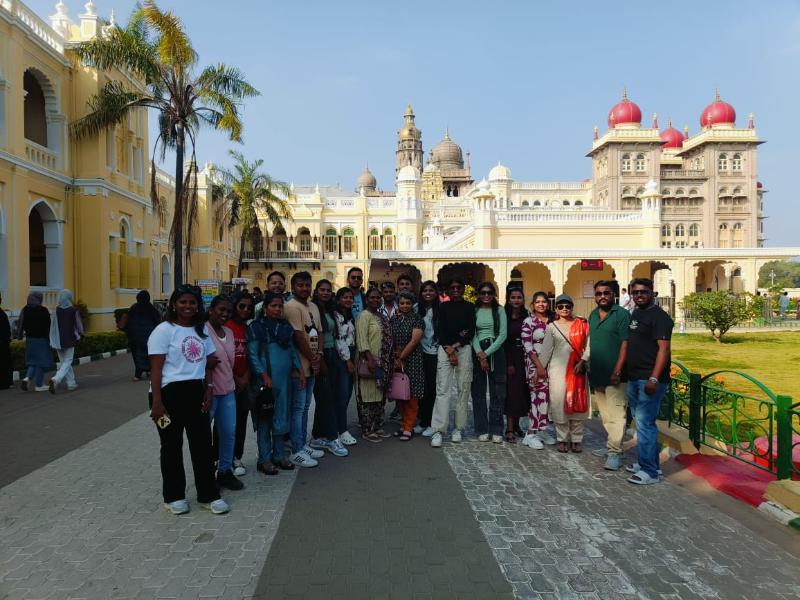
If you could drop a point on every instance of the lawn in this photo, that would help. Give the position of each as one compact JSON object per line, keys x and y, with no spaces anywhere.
{"x":773,"y":358}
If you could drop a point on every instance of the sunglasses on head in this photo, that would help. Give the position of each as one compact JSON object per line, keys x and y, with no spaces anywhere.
{"x":564,"y":306}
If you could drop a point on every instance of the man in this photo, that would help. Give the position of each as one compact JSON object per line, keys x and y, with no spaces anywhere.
{"x":647,"y":364}
{"x":276,"y":283}
{"x":783,"y":304}
{"x":405,"y":284}
{"x":455,"y":329}
{"x":355,"y":281}
{"x":389,"y":306}
{"x":608,"y":335}
{"x":625,"y":300}
{"x":304,"y":317}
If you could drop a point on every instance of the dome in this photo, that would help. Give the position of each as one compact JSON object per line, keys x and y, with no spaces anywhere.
{"x":430,"y":168}
{"x":409,"y":130}
{"x":367,"y":181}
{"x":483,"y":186}
{"x":624,"y":112}
{"x":671,"y":137}
{"x":718,"y":113}
{"x":408,"y":173}
{"x":447,"y":154}
{"x":500,"y":173}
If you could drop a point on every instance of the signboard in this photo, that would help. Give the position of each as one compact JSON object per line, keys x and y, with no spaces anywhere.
{"x":592,"y":264}
{"x":208,"y":288}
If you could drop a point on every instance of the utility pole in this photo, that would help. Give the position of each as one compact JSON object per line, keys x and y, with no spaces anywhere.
{"x":772,"y":277}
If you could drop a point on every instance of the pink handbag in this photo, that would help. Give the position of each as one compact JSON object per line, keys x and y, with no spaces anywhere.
{"x":400,"y":387}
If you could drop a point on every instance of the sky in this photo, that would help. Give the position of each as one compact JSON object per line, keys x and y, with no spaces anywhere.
{"x":520,"y":82}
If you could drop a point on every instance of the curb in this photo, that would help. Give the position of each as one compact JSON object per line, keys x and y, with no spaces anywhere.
{"x":780,"y":514}
{"x":83,"y":360}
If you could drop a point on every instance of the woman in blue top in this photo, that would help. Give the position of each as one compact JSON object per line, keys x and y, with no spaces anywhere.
{"x":273,"y":361}
{"x":489,"y":365}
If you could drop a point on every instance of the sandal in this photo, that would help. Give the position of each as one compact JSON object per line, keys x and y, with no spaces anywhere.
{"x":511,"y":437}
{"x":373,"y":437}
{"x":576,"y":447}
{"x":382,"y":433}
{"x":268,"y":468}
{"x":405,"y":436}
{"x":285,"y":465}
{"x":642,"y":478}
{"x":562,"y":447}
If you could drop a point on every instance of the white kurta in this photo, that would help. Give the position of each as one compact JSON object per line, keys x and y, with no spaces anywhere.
{"x":555,"y":356}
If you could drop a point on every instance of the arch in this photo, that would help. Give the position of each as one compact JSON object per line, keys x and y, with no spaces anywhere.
{"x":626,"y":192}
{"x":627,"y":165}
{"x":736,"y":162}
{"x":680,"y":192}
{"x":724,"y":236}
{"x":281,"y":242}
{"x":525,"y":204}
{"x":578,"y":202}
{"x":666,"y":230}
{"x":722,"y":162}
{"x":387,"y":239}
{"x":473,"y":273}
{"x":578,"y":284}
{"x":711,"y":276}
{"x":641,"y":163}
{"x":331,"y":240}
{"x":348,"y":240}
{"x":694,"y":230}
{"x":680,"y":230}
{"x":45,"y":246}
{"x":166,"y":276}
{"x":666,"y":192}
{"x":663,"y":282}
{"x":533,"y":276}
{"x":304,"y":240}
{"x":380,"y":272}
{"x":35,"y":110}
{"x":125,"y":236}
{"x":565,"y":202}
{"x":738,"y":235}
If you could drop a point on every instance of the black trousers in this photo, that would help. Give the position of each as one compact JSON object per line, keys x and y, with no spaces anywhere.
{"x":326,"y":387}
{"x":242,"y":410}
{"x":495,"y":380}
{"x":6,"y":375}
{"x":428,"y":399}
{"x":183,"y":401}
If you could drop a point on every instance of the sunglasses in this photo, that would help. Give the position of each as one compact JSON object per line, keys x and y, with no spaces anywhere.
{"x":641,"y":292}
{"x":564,"y":306}
{"x":602,"y":294}
{"x":356,"y":277}
{"x":486,"y":293}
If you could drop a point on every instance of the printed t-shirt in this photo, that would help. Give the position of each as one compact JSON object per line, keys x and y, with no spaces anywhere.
{"x":240,"y":366}
{"x":646,"y":328}
{"x":185,"y":351}
{"x":305,"y":319}
{"x":222,"y":374}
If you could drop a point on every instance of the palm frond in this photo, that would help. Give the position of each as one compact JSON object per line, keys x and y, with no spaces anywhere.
{"x":228,"y":81}
{"x":173,"y":45}
{"x":107,"y":108}
{"x":122,"y":49}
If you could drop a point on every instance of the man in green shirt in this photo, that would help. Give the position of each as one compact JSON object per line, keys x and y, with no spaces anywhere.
{"x":608,"y":340}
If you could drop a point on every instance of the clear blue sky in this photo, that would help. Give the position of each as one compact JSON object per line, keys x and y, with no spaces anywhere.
{"x":519,"y":82}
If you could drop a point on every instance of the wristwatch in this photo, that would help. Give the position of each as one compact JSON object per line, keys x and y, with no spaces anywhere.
{"x":653,"y":379}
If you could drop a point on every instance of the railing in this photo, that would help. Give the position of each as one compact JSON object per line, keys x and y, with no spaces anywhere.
{"x":380,"y":202}
{"x":49,"y":295}
{"x":340,"y":202}
{"x":551,"y":185}
{"x":40,"y":155}
{"x":569,"y":216}
{"x":683,"y":174}
{"x":760,"y":428}
{"x":266,"y":256}
{"x":36,"y":24}
{"x":454,"y":214}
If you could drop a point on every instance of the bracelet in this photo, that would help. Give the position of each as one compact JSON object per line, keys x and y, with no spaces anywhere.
{"x":653,"y":379}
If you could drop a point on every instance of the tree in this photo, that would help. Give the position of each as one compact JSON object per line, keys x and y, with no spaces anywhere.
{"x":787,"y":274}
{"x":155,"y":48}
{"x":720,"y":310}
{"x":244,"y":193}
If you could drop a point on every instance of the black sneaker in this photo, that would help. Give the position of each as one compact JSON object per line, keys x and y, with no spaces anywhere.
{"x":228,"y":480}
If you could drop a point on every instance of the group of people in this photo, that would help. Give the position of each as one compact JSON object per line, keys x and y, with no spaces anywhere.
{"x":419,"y":349}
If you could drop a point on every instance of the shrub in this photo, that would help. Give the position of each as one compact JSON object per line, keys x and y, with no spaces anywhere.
{"x":719,"y":311}
{"x":93,"y":342}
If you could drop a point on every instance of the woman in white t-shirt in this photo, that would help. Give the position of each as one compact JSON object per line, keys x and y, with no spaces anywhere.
{"x":181,"y":358}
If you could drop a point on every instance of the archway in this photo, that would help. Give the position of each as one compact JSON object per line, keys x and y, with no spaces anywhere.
{"x":381,"y":271}
{"x":710,"y":276}
{"x":472,"y":273}
{"x":663,"y":282}
{"x":534,"y":277}
{"x":35,"y":110}
{"x":579,"y":284}
{"x":166,"y":276}
{"x":45,"y":248}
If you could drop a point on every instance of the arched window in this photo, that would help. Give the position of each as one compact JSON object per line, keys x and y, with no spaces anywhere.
{"x":374,"y":239}
{"x":348,"y":240}
{"x":667,"y":192}
{"x":724,"y":236}
{"x":694,"y":230}
{"x":35,"y":113}
{"x":666,"y":230}
{"x":693,"y":192}
{"x":737,"y":162}
{"x":627,"y":165}
{"x":641,"y":163}
{"x":565,"y":202}
{"x":578,"y":202}
{"x":639,"y":191}
{"x":331,"y":241}
{"x":680,"y":230}
{"x":281,"y":242}
{"x":738,"y":235}
{"x":626,"y":191}
{"x":722,"y":162}
{"x":304,"y":240}
{"x":679,"y":193}
{"x":388,"y":239}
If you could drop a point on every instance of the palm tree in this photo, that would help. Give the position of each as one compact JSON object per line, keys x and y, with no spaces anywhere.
{"x":243,"y":193}
{"x":154,"y":46}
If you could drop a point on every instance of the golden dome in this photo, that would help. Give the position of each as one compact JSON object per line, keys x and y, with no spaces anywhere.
{"x":409,"y":130}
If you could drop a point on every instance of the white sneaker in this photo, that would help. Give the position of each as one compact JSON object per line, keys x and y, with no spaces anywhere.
{"x":546,"y":437}
{"x":497,"y":439}
{"x":313,"y":452}
{"x":484,"y":437}
{"x":436,"y":439}
{"x":418,"y":429}
{"x":337,"y":448}
{"x":428,"y":432}
{"x":179,"y":507}
{"x":72,"y":388}
{"x":238,"y":468}
{"x":347,"y":439}
{"x":42,"y":388}
{"x":455,"y":437}
{"x":318,"y":443}
{"x":301,"y":459}
{"x":531,"y":440}
{"x":218,"y":507}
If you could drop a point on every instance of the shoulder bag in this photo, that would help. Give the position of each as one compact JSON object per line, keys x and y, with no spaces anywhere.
{"x":399,"y":387}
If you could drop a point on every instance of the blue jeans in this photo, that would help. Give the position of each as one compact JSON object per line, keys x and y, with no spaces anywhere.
{"x":301,"y":401}
{"x":270,"y":444}
{"x":344,"y":389}
{"x":35,"y":373}
{"x":644,"y":409}
{"x":223,"y":413}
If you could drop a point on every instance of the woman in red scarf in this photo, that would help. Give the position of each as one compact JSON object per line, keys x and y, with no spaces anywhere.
{"x":563,"y":350}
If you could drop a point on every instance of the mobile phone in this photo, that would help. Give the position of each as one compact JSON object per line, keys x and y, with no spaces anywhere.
{"x":163,"y":422}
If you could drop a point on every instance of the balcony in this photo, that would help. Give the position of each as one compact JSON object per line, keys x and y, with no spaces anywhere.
{"x":40,"y":155}
{"x":283,"y":255}
{"x":683,"y":174}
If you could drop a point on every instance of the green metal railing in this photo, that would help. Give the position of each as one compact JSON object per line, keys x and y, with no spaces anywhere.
{"x":756,"y":428}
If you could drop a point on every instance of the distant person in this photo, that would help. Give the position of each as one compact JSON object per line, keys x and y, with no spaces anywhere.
{"x":138,"y":323}
{"x":276,"y":283}
{"x":242,"y":314}
{"x":428,"y":308}
{"x":388,"y":307}
{"x":625,"y":300}
{"x":783,"y":304}
{"x":488,"y":386}
{"x":518,"y":399}
{"x":532,"y":335}
{"x":374,"y":345}
{"x":65,"y":331}
{"x":34,"y":326}
{"x":407,"y":331}
{"x":345,"y":338}
{"x":355,"y":281}
{"x":6,"y":373}
{"x":404,"y":284}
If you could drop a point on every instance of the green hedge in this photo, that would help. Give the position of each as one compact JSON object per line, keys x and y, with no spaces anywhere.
{"x":94,"y":342}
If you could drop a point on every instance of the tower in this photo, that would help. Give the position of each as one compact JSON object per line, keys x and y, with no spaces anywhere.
{"x":409,"y":144}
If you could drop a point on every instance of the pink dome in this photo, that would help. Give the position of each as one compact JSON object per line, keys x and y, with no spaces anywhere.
{"x":718,"y":113}
{"x":624,"y":112}
{"x":671,"y":137}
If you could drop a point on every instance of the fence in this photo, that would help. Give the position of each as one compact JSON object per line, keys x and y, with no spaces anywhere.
{"x":760,"y":428}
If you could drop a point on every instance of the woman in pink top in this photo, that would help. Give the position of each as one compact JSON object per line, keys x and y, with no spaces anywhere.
{"x":223,"y":404}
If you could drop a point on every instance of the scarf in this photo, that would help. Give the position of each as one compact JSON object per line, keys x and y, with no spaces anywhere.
{"x":35,"y":299}
{"x":268,"y":330}
{"x":65,"y":299}
{"x":577,"y":397}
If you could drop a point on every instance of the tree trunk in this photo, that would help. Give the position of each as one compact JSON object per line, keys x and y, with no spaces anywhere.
{"x":178,"y":218}
{"x":241,"y":254}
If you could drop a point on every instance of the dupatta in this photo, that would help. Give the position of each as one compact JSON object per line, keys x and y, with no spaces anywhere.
{"x":577,"y":396}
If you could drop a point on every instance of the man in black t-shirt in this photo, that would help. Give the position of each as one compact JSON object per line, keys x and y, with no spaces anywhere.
{"x":647,"y":365}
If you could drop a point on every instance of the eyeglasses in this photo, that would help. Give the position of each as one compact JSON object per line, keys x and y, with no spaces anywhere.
{"x":601,"y":294}
{"x":487,"y":293}
{"x":356,"y":277}
{"x":564,"y":306}
{"x":641,"y":292}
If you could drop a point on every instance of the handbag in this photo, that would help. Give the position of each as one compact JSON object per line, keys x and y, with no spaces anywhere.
{"x":399,"y":387}
{"x":265,"y":402}
{"x":363,"y":369}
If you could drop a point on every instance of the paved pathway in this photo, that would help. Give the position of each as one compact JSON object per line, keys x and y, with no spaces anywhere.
{"x":82,"y":518}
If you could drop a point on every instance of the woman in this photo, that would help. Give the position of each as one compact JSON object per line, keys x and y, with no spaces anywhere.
{"x":242,"y":313}
{"x":488,"y":365}
{"x":532,"y":336}
{"x":428,"y":308}
{"x":138,"y":323}
{"x":562,"y":352}
{"x":407,"y":331}
{"x":6,"y":374}
{"x":325,"y":432}
{"x":65,"y":331}
{"x":345,"y":339}
{"x":374,"y":344}
{"x":181,"y":359}
{"x":223,"y":403}
{"x":34,"y":325}
{"x":273,"y":360}
{"x":518,"y":398}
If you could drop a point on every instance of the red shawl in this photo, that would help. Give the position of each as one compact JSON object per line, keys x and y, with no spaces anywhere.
{"x":577,"y":398}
